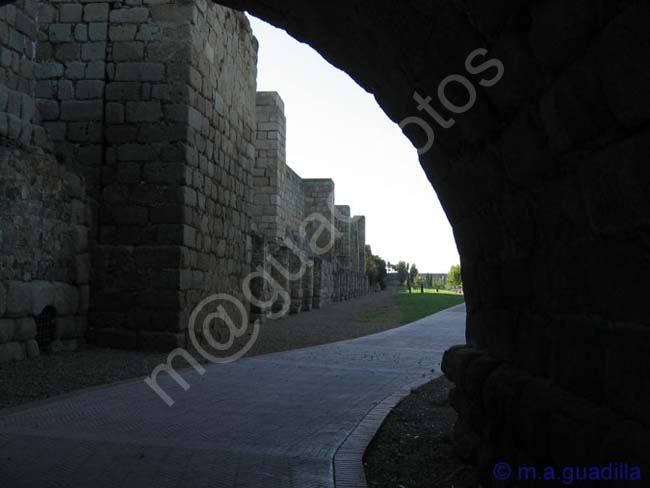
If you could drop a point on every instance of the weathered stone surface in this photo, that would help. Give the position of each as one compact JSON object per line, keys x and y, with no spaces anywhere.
{"x":82,"y":268}
{"x":70,"y":12}
{"x":3,"y":299}
{"x":7,"y":330}
{"x":25,"y":329}
{"x":87,"y":89}
{"x":116,"y":338}
{"x":134,"y":15}
{"x":70,"y":327}
{"x":139,"y":71}
{"x":32,"y":349}
{"x":42,"y":296}
{"x":66,"y":299}
{"x":82,"y":110}
{"x":12,"y":351}
{"x":96,"y":12}
{"x":70,"y":345}
{"x":19,"y":299}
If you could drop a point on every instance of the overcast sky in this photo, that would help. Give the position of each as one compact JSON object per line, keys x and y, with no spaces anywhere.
{"x":336,"y":130}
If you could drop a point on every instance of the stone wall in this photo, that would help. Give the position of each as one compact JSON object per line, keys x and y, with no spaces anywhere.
{"x":289,"y":208}
{"x":142,"y":174}
{"x":18,"y":33}
{"x":177,"y":190}
{"x":292,"y":198}
{"x":318,"y":213}
{"x":70,"y":83}
{"x":44,"y":260}
{"x":320,"y":235}
{"x":44,"y":211}
{"x":270,"y":161}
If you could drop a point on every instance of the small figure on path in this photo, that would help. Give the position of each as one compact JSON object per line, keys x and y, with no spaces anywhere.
{"x":421,"y":287}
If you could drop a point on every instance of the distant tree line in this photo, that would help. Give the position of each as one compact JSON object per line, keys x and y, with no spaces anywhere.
{"x":455,"y":278}
{"x":409,"y":276}
{"x":375,"y":269}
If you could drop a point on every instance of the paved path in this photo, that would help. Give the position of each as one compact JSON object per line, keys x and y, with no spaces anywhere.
{"x":269,"y":421}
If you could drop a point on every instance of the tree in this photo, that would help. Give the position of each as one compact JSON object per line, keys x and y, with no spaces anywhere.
{"x":455,"y":278}
{"x":438,"y":284}
{"x":413,"y":273}
{"x":402,"y":272}
{"x":375,"y":269}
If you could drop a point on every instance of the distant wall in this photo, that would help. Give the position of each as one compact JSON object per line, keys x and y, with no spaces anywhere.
{"x":292,"y":197}
{"x":285,"y":206}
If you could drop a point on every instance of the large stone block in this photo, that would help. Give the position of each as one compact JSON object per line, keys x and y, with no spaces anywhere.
{"x":72,"y":110}
{"x":95,"y":70}
{"x":96,"y":12}
{"x":25,"y":329}
{"x":13,"y":351}
{"x":82,"y":269}
{"x":140,"y":72}
{"x":80,"y":238}
{"x":128,"y":51}
{"x":60,"y":33}
{"x":66,"y":299}
{"x":122,"y":91}
{"x":7,"y":330}
{"x":70,"y":12}
{"x":32,"y":349}
{"x":561,"y":31}
{"x":98,"y":31}
{"x":48,"y":70}
{"x":624,"y":58}
{"x":42,"y":296}
{"x":70,"y":327}
{"x":143,"y":111}
{"x":572,"y":111}
{"x":124,"y":32}
{"x":93,"y":51}
{"x":171,"y":13}
{"x":48,"y":109}
{"x":134,"y":15}
{"x":3,"y":299}
{"x":89,"y":89}
{"x":19,"y":299}
{"x":84,"y":299}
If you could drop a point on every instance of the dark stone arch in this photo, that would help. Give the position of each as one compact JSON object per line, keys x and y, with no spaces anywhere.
{"x":544,"y":181}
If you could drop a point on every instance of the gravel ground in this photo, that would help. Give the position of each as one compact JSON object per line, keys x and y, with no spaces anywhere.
{"x":412,"y":449}
{"x":53,"y":375}
{"x":336,"y":322}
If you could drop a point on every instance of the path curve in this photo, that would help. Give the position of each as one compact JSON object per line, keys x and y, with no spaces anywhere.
{"x":269,"y":421}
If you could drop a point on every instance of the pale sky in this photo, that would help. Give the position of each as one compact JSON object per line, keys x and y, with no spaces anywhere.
{"x":335,"y":129}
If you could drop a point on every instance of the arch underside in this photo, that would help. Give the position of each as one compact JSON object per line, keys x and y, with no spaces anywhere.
{"x":545,"y":182}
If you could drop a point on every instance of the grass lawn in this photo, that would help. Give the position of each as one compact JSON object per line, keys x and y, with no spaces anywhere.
{"x":409,"y":307}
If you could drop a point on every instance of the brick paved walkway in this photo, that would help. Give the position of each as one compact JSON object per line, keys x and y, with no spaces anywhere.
{"x":269,"y":421}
